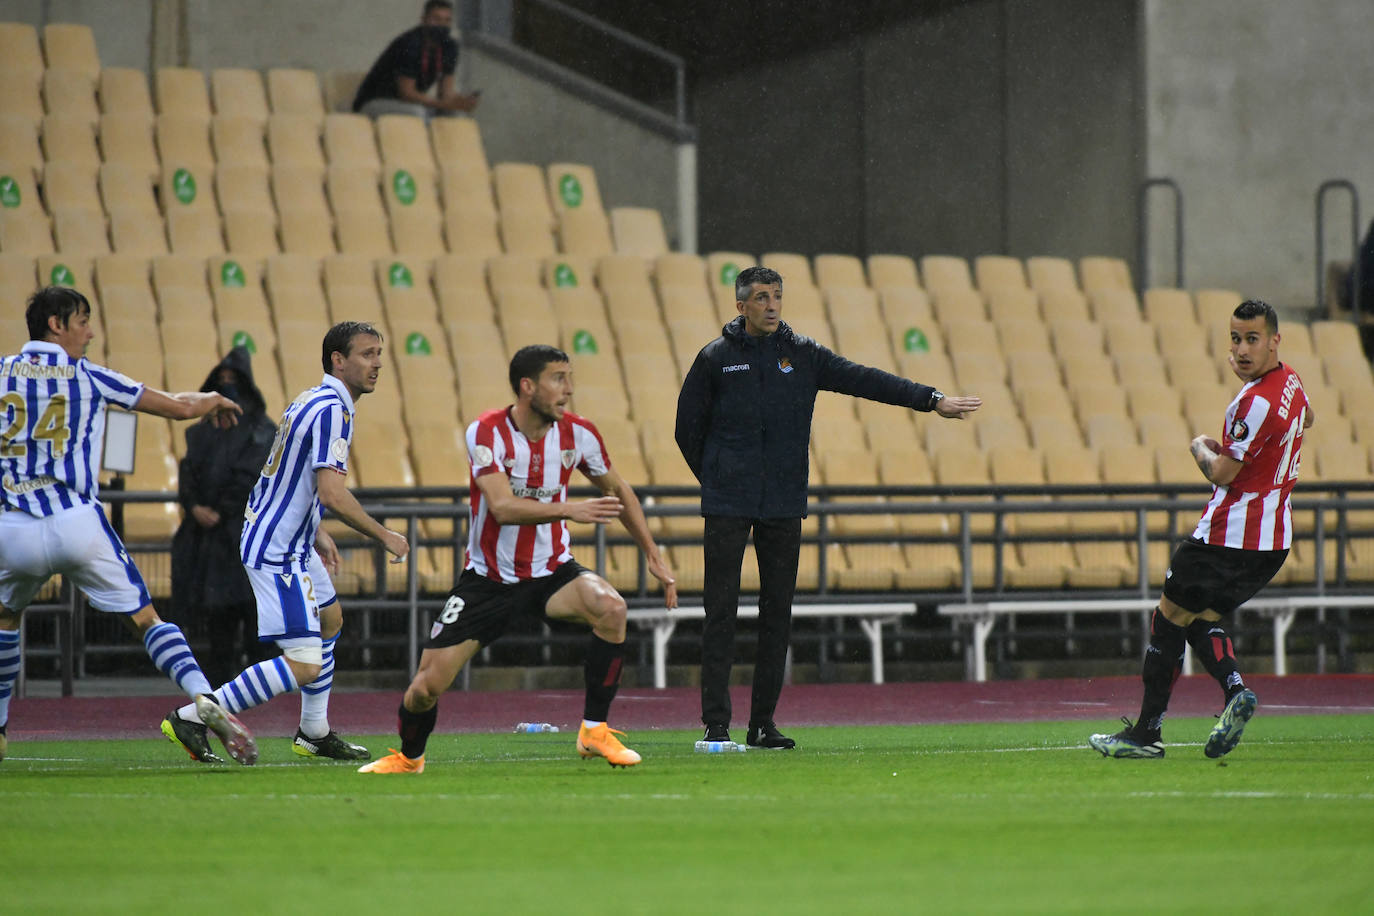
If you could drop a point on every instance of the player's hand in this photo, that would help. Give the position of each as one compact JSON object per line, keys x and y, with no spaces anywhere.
{"x":205,"y":516}
{"x":660,"y":570}
{"x":597,"y":511}
{"x":223,"y":412}
{"x":328,"y":551}
{"x":956,"y":408}
{"x":1207,"y":442}
{"x":395,"y":544}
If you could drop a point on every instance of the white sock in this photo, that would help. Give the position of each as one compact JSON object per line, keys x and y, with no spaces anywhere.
{"x":315,"y":695}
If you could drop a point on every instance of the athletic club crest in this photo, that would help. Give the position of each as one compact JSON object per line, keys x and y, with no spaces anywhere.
{"x":569,"y":458}
{"x":1239,"y":430}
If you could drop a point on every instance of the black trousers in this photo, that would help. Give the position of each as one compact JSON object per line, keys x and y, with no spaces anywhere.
{"x":777,"y":542}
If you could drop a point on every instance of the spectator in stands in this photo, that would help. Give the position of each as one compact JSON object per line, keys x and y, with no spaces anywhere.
{"x":744,"y":426}
{"x":519,"y":559}
{"x":1239,"y":544}
{"x":213,"y":483}
{"x":288,"y":557}
{"x":415,"y":74}
{"x":52,"y":411}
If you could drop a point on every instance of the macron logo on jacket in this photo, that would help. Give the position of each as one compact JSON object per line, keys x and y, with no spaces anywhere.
{"x":739,"y":368}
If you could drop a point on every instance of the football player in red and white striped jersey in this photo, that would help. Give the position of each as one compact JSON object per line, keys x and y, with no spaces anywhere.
{"x":519,"y":560}
{"x":1240,"y":542}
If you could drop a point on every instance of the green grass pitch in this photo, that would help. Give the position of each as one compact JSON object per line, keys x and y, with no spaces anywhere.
{"x":929,"y":819}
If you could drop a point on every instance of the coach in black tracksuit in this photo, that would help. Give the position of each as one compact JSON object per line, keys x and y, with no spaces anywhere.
{"x":743,"y":425}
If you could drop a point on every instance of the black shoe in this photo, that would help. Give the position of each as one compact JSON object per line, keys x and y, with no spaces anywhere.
{"x":769,"y":736}
{"x":192,"y":736}
{"x":331,"y":745}
{"x":717,"y":733}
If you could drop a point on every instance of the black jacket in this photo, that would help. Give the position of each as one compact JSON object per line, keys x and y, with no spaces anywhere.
{"x":744,"y":416}
{"x":219,"y":470}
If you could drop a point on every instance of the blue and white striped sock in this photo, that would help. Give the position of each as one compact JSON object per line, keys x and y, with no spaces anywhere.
{"x":315,"y":695}
{"x":9,"y":671}
{"x":168,"y":649}
{"x":256,"y":685}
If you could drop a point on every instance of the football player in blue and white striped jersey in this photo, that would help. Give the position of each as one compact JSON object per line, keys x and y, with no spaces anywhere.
{"x":287,"y":555}
{"x":52,"y":430}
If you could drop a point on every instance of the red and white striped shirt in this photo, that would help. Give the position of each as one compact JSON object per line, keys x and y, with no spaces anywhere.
{"x":1264,"y":427}
{"x":538,"y":471}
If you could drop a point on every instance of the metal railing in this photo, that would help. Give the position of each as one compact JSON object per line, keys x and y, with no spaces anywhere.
{"x":1338,"y":184}
{"x":1143,"y":266}
{"x":978,"y":516}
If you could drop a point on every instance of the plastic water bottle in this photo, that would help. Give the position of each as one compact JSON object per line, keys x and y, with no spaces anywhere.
{"x":719,"y":747}
{"x":534,"y":728}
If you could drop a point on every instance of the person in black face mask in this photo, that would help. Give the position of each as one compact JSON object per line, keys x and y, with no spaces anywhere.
{"x":414,"y":75}
{"x":215,"y":476}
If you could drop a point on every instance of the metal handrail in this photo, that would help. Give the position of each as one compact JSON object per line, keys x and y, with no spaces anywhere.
{"x":1143,"y":233}
{"x":631,"y":40}
{"x":1334,"y":184}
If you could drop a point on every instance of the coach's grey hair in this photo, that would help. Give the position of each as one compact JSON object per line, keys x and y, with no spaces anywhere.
{"x":751,"y":275}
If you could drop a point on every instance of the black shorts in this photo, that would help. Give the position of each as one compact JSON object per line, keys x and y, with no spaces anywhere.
{"x":480,"y":608}
{"x":1205,"y":576}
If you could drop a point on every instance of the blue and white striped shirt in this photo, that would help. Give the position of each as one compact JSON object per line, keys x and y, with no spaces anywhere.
{"x":52,"y":427}
{"x":284,"y":508}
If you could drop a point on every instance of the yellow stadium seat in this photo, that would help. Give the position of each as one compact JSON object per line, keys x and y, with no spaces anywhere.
{"x":1100,"y":272}
{"x":585,"y":231}
{"x":340,"y":88}
{"x":794,"y":268}
{"x":839,"y":270}
{"x":71,"y":46}
{"x":239,"y":92}
{"x":295,"y":92}
{"x":195,"y":232}
{"x":349,"y":140}
{"x":458,"y":141}
{"x":124,"y":91}
{"x":21,"y":95}
{"x":1166,"y":305}
{"x":239,"y":142}
{"x":1110,"y":304}
{"x":70,"y":138}
{"x":181,"y":91}
{"x":572,"y":187}
{"x":889,"y":271}
{"x":81,"y":232}
{"x":1063,"y":303}
{"x":306,"y":232}
{"x":1044,"y":273}
{"x":993,"y":271}
{"x":70,"y":93}
{"x":638,"y":230}
{"x":294,"y":140}
{"x":403,"y":141}
{"x":129,"y":140}
{"x":946,"y":274}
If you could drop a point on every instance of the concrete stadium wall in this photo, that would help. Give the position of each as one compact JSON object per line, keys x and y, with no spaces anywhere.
{"x":976,"y":128}
{"x":1250,"y":105}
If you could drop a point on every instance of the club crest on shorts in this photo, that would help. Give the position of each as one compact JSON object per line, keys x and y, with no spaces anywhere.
{"x":1239,"y":430}
{"x":569,"y":458}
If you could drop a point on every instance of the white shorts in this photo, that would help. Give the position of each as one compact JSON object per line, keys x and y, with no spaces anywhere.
{"x":77,"y":543}
{"x":289,"y":602}
{"x":288,"y":607}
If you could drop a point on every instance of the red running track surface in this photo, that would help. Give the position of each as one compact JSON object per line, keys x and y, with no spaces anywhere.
{"x":360,"y":713}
